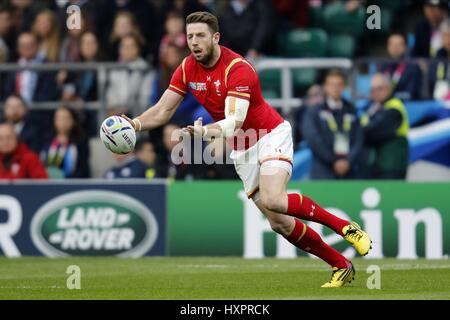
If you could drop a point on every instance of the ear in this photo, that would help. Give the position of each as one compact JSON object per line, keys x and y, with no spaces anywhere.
{"x":216,"y":38}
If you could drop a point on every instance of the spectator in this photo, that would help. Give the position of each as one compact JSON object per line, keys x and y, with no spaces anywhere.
{"x":66,"y":153}
{"x":189,"y":109}
{"x":16,"y":113}
{"x":444,"y":52}
{"x":406,"y":77}
{"x":183,"y":170}
{"x":428,"y":37}
{"x":175,"y":34}
{"x":7,"y":36}
{"x":16,"y":160}
{"x":83,"y":85}
{"x":247,"y":27}
{"x":333,"y":133}
{"x":70,"y":50}
{"x":32,"y":86}
{"x":25,"y":12}
{"x":129,"y":88}
{"x":124,"y":25}
{"x":139,"y":164}
{"x":386,"y":129}
{"x":222,"y":167}
{"x":209,"y":5}
{"x":314,"y":97}
{"x":184,"y":7}
{"x":146,"y":19}
{"x":440,"y":70}
{"x":46,"y":28}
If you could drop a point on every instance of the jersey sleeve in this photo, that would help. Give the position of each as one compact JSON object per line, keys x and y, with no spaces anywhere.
{"x":240,"y":80}
{"x":178,"y":81}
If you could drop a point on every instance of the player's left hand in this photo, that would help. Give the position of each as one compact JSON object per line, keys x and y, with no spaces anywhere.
{"x":196,"y":130}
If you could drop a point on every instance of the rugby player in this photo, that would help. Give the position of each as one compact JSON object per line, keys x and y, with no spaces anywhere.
{"x":228,"y":87}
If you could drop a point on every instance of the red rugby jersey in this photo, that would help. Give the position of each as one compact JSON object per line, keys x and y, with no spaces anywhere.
{"x":232,"y":75}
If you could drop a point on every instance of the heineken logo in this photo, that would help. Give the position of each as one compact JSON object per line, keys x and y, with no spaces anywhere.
{"x":94,"y":222}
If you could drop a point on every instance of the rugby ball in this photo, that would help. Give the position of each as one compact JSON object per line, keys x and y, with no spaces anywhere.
{"x":118,"y":135}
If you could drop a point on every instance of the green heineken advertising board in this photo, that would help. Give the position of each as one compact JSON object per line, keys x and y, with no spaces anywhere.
{"x":405,"y":220}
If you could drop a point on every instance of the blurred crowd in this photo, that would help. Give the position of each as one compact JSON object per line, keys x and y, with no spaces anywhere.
{"x":148,"y":35}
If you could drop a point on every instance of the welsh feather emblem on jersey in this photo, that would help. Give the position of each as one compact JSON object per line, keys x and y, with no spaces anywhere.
{"x":217,"y":84}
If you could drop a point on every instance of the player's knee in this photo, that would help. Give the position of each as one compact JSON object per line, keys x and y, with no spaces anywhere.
{"x":272,"y":202}
{"x":280,"y":224}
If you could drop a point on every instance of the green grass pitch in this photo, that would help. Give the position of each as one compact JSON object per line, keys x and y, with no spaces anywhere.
{"x":217,"y":278}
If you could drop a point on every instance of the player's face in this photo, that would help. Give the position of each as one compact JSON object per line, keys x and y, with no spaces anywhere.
{"x":201,"y":41}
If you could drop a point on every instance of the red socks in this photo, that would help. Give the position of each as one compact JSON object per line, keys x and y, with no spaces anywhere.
{"x":308,"y":240}
{"x":302,"y":207}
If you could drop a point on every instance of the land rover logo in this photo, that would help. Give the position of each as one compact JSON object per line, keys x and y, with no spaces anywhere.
{"x":94,"y":222}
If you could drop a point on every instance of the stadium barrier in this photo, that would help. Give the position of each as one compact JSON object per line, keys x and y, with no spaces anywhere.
{"x":83,"y":217}
{"x":360,"y":72}
{"x":102,"y":70}
{"x":287,"y":100}
{"x":405,"y":220}
{"x":132,"y":218}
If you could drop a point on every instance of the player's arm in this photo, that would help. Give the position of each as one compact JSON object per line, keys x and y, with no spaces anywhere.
{"x":235,"y":114}
{"x":164,"y":109}
{"x":159,"y":114}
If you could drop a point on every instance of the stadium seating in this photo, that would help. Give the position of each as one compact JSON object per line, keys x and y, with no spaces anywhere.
{"x":302,"y":43}
{"x":389,"y":4}
{"x":304,"y":78}
{"x":341,"y":46}
{"x":338,"y":21}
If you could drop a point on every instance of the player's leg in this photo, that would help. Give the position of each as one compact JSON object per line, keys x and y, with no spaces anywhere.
{"x":295,"y":231}
{"x":274,"y":174}
{"x":273,"y":179}
{"x":303,"y":237}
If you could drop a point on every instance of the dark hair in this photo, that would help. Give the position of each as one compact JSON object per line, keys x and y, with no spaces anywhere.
{"x":140,"y":143}
{"x":174,"y":14}
{"x":336,"y":73}
{"x":136,"y":29}
{"x":204,"y":17}
{"x":398,"y":33}
{"x":137,"y":40}
{"x":442,"y":4}
{"x":5,"y":8}
{"x":76,"y":133}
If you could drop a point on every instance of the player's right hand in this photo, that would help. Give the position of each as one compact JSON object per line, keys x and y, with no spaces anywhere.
{"x":196,"y":130}
{"x":129,"y":120}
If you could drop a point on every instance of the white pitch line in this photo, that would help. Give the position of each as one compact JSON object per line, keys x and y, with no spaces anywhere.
{"x":32,"y":287}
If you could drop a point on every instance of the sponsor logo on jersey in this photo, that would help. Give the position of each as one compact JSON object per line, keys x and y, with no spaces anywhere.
{"x":94,"y":222}
{"x":199,"y":86}
{"x":242,"y":88}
